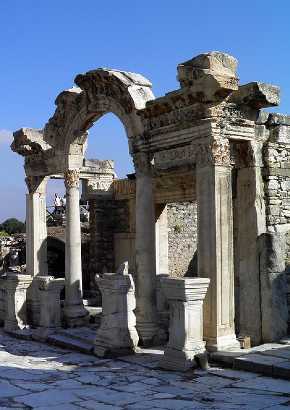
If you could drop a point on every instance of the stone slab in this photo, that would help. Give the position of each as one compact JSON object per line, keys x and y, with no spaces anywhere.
{"x":69,"y":343}
{"x":257,"y":363}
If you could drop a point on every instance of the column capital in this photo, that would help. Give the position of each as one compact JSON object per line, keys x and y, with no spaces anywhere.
{"x":72,"y":178}
{"x":36,"y":184}
{"x":142,"y":163}
{"x":215,"y":152}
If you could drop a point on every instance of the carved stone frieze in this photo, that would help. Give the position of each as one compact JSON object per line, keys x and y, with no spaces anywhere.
{"x":72,"y":178}
{"x":217,"y":152}
{"x":102,"y":183}
{"x":174,"y":157}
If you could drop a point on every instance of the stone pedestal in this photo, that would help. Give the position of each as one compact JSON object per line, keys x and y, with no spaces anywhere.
{"x":16,"y":286}
{"x":49,"y":290}
{"x":146,"y":311}
{"x":215,"y":242}
{"x":117,"y":334}
{"x":185,"y":297}
{"x":74,"y":312}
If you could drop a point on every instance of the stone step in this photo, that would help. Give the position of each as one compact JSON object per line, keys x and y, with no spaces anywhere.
{"x":81,"y":334}
{"x":270,"y":360}
{"x":70,"y":343}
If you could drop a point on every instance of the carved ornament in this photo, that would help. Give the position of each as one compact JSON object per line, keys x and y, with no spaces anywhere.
{"x":72,"y":178}
{"x":216,"y":152}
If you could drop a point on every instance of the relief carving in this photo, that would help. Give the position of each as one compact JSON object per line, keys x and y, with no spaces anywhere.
{"x":215,"y":153}
{"x":72,"y":178}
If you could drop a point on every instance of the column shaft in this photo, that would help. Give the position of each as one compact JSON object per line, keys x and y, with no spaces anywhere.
{"x":145,"y":252}
{"x":215,"y":246}
{"x":75,"y":313}
{"x":36,"y":231}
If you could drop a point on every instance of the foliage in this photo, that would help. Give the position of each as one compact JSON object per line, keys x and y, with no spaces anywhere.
{"x":3,"y":233}
{"x":12,"y":225}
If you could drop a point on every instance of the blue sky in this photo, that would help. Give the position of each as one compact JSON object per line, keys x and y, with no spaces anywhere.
{"x":44,"y":44}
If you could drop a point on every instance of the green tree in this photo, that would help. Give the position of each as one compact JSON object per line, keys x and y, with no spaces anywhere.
{"x":12,"y":225}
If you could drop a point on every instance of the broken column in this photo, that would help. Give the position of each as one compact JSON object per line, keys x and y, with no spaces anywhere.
{"x":117,"y":334}
{"x":74,"y":310}
{"x":49,"y":289}
{"x":185,"y":297}
{"x":16,"y":285}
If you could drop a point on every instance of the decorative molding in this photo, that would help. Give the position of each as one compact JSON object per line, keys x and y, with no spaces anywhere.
{"x":173,"y":157}
{"x":216,"y":152}
{"x":72,"y":178}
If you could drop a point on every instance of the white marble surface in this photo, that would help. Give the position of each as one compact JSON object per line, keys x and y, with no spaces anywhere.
{"x":37,"y":376}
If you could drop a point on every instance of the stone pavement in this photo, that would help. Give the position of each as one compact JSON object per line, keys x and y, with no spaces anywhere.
{"x":37,"y":376}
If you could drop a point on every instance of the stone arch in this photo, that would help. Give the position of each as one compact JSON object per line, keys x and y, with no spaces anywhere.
{"x":98,"y":92}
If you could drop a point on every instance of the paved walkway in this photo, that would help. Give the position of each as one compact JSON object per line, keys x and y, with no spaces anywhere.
{"x":37,"y":376}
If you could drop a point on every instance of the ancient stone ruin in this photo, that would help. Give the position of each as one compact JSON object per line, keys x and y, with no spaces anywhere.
{"x":209,"y":199}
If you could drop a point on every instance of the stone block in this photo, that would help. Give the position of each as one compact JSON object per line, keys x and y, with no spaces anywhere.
{"x":185,"y":298}
{"x":210,"y":76}
{"x":117,"y":334}
{"x":16,"y":286}
{"x":49,"y":290}
{"x":257,"y":95}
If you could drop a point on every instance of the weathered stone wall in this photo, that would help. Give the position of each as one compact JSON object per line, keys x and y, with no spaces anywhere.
{"x":276,"y":155}
{"x":182,"y":238}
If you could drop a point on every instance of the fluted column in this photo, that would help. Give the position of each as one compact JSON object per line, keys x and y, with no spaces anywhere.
{"x":36,"y":231}
{"x":74,"y":311}
{"x":146,"y":311}
{"x":215,"y":242}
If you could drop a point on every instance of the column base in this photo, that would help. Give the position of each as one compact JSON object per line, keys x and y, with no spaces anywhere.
{"x":228,"y":342}
{"x":148,"y":334}
{"x":180,"y":360}
{"x":76,"y":316}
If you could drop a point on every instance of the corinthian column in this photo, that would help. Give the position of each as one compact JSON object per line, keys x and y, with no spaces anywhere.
{"x":146,"y":312}
{"x":74,"y":311}
{"x":36,"y":232}
{"x":215,"y":242}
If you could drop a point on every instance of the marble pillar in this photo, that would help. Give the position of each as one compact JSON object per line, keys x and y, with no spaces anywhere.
{"x":36,"y":240}
{"x":215,"y":242}
{"x":36,"y":231}
{"x":74,"y":311}
{"x":185,"y":297}
{"x":146,"y":311}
